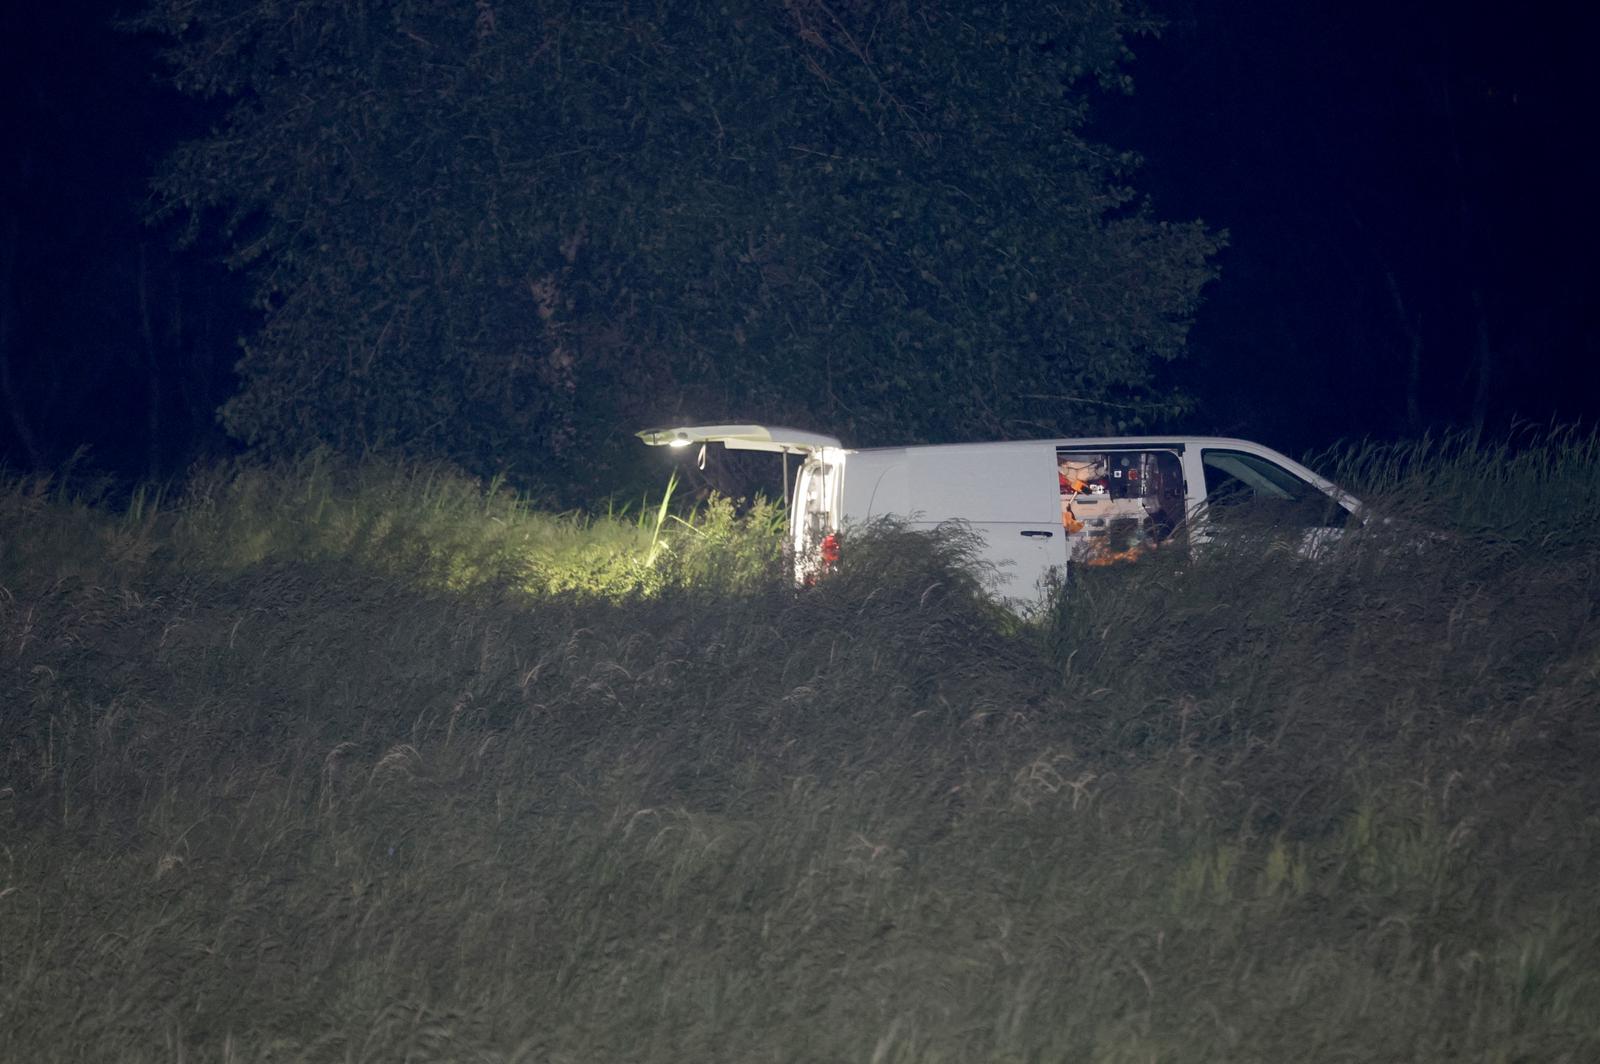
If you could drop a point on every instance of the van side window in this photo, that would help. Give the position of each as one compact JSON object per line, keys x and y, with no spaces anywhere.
{"x":1241,"y":486}
{"x":1119,"y":505}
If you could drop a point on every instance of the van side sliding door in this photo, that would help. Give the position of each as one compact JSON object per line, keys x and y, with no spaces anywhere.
{"x":1120,"y":504}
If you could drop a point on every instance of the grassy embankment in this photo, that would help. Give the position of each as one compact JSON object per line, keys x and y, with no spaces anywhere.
{"x":376,"y":768}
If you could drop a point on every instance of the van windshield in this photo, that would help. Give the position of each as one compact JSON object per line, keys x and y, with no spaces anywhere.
{"x":1235,"y":479}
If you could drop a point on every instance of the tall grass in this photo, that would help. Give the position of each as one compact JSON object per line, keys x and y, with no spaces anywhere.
{"x":427,"y":525}
{"x":371,"y":788}
{"x":1539,"y":487}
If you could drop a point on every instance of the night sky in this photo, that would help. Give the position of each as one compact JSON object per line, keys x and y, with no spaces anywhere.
{"x":1409,"y":188}
{"x":1397,"y":178}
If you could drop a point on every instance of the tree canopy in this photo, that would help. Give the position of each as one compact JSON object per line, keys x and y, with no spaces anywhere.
{"x":508,"y":233}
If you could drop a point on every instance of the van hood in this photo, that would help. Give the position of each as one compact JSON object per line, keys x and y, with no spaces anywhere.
{"x":773,"y":438}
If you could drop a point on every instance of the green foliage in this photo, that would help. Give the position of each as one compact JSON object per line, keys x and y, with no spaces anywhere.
{"x":1538,"y":488}
{"x":287,"y":799}
{"x":426,"y":524}
{"x":500,"y":233}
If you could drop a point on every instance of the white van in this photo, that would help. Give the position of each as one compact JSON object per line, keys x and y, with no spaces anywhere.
{"x":1040,"y":505}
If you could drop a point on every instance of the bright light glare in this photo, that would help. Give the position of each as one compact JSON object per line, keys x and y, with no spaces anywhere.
{"x":681,"y":441}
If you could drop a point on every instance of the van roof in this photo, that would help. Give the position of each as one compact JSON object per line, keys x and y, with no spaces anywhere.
{"x":1090,"y":441}
{"x":1220,"y":442}
{"x":781,"y":438}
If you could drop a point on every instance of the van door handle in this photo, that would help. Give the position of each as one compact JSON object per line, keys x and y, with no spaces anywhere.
{"x":1037,"y":532}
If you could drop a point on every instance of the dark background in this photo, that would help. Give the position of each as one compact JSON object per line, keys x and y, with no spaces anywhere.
{"x":111,"y":340}
{"x":1409,"y":190}
{"x":1411,"y":193}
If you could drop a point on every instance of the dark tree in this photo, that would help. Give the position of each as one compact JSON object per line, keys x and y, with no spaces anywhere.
{"x":507,"y":233}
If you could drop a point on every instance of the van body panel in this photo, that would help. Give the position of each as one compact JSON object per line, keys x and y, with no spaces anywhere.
{"x":1003,"y":492}
{"x":878,"y":485}
{"x":1010,"y":483}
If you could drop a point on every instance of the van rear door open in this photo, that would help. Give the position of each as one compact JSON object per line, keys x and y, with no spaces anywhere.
{"x":815,"y":507}
{"x":741,"y":438}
